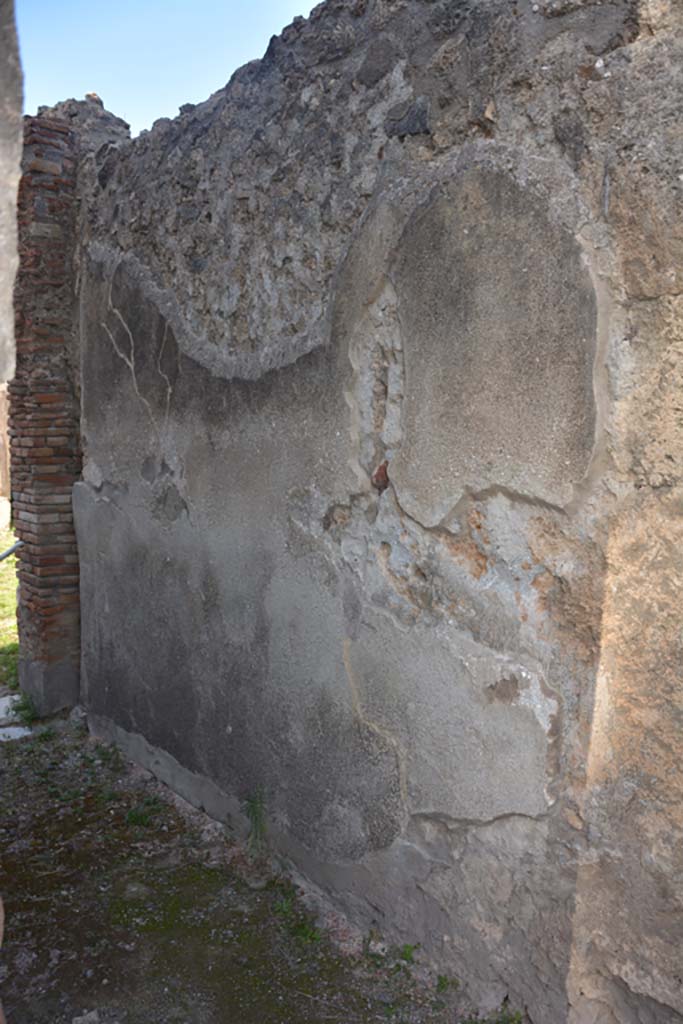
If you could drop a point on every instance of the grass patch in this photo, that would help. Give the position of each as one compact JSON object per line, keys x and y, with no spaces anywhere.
{"x":285,"y":906}
{"x":47,"y":734}
{"x":407,"y":952}
{"x":297,"y":922}
{"x":107,"y":795}
{"x":110,"y":756}
{"x":144,"y":812}
{"x":9,"y":639}
{"x":305,"y":931}
{"x":255,"y":810}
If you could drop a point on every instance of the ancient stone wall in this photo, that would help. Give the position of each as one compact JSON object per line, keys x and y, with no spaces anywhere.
{"x":381,"y":355}
{"x":44,"y":418}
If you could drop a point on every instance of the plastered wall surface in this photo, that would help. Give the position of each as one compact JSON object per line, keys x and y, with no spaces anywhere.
{"x":381,"y":358}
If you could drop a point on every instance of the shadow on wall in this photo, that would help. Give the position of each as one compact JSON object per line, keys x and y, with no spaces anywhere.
{"x":627,"y":909}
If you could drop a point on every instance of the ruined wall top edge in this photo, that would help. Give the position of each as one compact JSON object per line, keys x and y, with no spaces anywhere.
{"x":237,"y":216}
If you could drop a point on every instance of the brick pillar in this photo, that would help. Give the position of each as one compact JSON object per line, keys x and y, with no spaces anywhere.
{"x":44,"y":418}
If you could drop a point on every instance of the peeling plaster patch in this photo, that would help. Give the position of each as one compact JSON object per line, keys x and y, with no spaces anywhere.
{"x":169,"y":504}
{"x":505,"y":689}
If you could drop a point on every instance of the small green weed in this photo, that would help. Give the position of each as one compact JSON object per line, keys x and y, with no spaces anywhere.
{"x":407,"y":952}
{"x":444,"y":983}
{"x":398,"y":1009}
{"x":143,"y":813}
{"x":110,"y":756}
{"x":25,"y":709}
{"x":47,"y":734}
{"x":106,"y":796}
{"x":285,"y":906}
{"x":306,"y":931}
{"x":299,"y":924}
{"x":138,"y":816}
{"x":255,"y":810}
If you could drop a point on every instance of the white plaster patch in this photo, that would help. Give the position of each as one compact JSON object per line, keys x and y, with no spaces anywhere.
{"x":532,"y":696}
{"x":7,"y":706}
{"x":13,"y":732}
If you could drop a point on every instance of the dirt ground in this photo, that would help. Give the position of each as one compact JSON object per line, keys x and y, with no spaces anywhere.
{"x":123,"y":905}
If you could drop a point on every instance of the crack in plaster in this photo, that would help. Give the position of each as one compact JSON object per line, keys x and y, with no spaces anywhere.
{"x":449,"y":822}
{"x":169,"y":386}
{"x":129,"y":362}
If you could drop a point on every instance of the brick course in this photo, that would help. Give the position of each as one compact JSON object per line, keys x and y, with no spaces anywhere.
{"x":44,"y":418}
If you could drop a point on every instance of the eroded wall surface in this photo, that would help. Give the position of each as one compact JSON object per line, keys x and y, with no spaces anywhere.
{"x":381,"y":360}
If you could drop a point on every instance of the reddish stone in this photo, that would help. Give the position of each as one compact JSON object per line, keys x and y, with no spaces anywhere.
{"x":380,"y":478}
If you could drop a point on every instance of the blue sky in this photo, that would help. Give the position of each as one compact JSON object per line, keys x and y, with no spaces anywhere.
{"x":143,"y":57}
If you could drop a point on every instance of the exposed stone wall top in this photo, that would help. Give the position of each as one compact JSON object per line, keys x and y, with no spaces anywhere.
{"x":272,"y":174}
{"x":95,"y":126}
